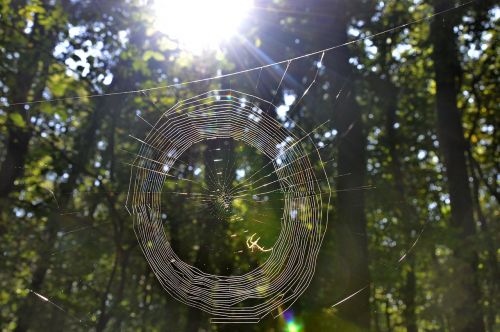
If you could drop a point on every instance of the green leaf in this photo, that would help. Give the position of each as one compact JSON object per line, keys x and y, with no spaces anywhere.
{"x":152,"y":54}
{"x":17,"y":119}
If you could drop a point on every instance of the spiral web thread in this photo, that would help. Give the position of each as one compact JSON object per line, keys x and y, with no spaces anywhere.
{"x":285,"y":275}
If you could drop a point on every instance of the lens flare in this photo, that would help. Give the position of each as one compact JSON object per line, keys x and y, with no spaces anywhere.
{"x":292,"y":327}
{"x":290,"y":322}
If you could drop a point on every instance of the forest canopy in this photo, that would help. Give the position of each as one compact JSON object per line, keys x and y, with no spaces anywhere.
{"x":393,"y":103}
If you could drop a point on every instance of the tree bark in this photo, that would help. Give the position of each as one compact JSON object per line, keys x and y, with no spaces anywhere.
{"x":468,"y":311}
{"x":410,"y":287}
{"x":343,"y":261}
{"x":349,"y":228}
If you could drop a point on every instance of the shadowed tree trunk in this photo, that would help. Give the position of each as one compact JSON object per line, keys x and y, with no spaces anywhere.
{"x":351,"y":253}
{"x":407,"y":211}
{"x":467,"y":306}
{"x":343,"y":261}
{"x":18,"y":138}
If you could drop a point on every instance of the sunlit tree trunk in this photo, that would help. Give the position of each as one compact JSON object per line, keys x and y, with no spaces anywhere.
{"x":467,"y":306}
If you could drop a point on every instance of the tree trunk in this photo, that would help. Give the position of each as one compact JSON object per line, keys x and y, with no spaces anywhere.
{"x":468,"y":311}
{"x":18,"y":137}
{"x":351,"y":247}
{"x":410,"y":290}
{"x":31,"y":76}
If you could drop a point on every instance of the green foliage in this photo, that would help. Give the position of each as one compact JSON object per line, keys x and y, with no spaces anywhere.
{"x":64,"y":219}
{"x":17,"y":120}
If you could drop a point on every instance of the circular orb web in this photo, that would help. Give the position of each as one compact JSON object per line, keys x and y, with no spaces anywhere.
{"x":223,"y":222}
{"x":288,"y":270}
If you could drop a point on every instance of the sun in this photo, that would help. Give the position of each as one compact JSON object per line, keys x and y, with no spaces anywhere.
{"x":199,"y":25}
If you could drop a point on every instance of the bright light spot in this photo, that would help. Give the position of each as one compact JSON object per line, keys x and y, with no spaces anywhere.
{"x":108,"y":79}
{"x":401,"y":50}
{"x":240,"y":173}
{"x":281,"y":111}
{"x":289,"y":98}
{"x":421,"y":154}
{"x":200,"y":24}
{"x":474,"y":53}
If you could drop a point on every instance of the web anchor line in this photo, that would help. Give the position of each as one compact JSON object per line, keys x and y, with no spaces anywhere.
{"x":325,"y":50}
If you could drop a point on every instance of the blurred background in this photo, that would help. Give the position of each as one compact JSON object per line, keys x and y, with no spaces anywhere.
{"x":406,"y":118}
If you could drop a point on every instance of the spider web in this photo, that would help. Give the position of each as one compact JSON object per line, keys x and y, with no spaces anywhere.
{"x":233,"y":115}
{"x":284,"y":276}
